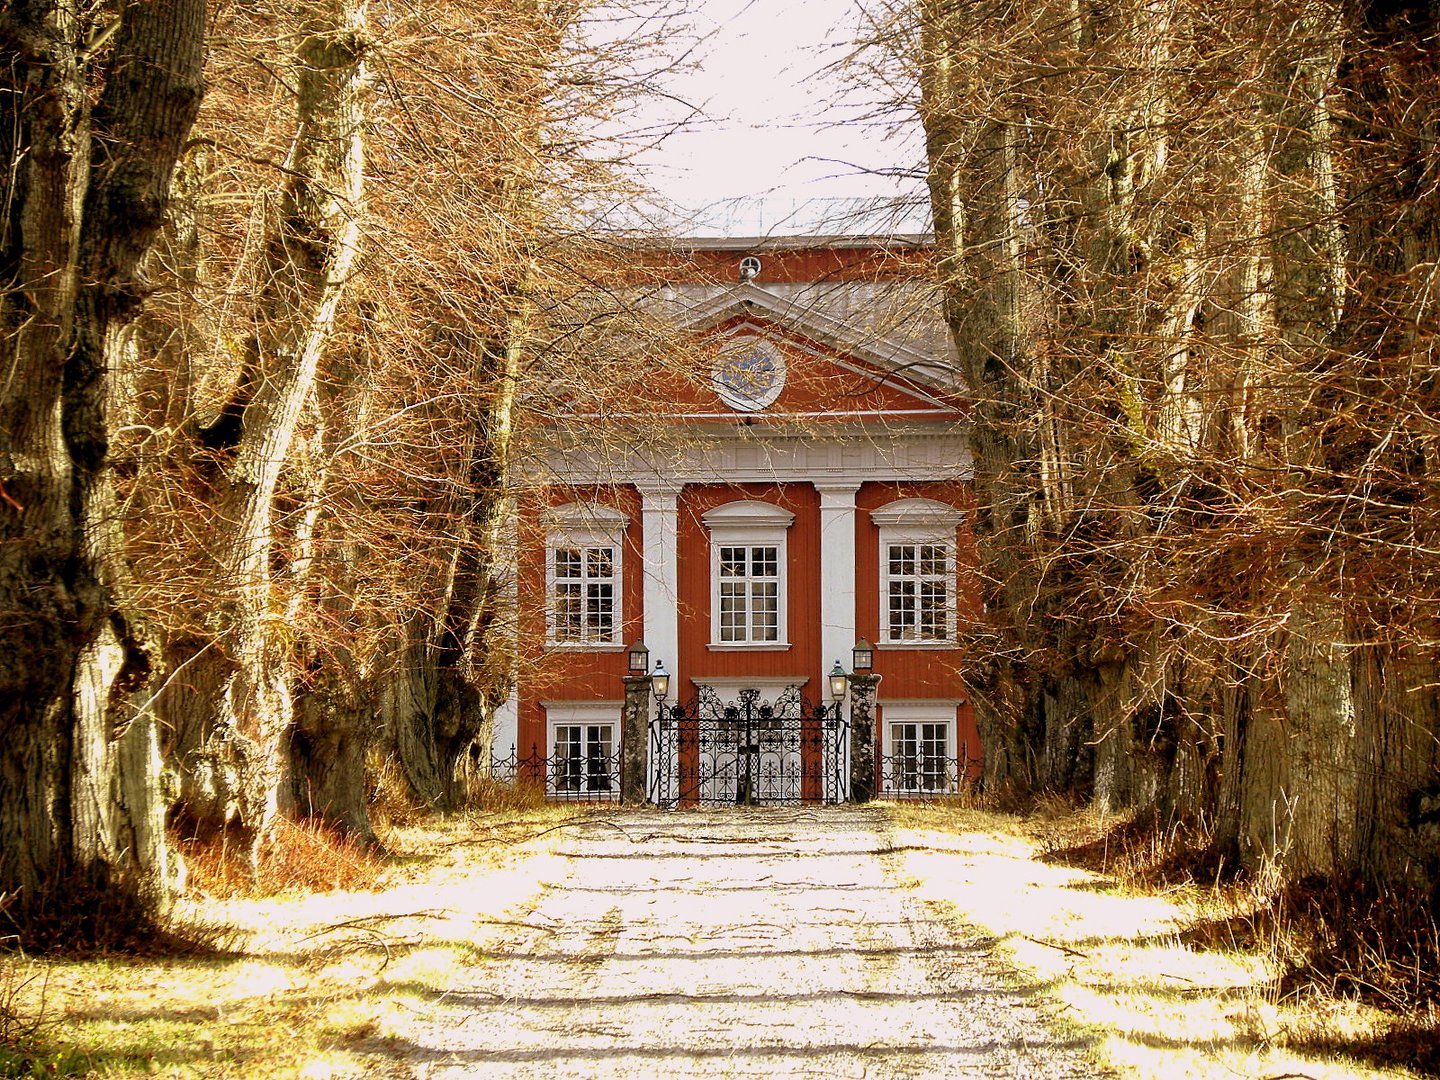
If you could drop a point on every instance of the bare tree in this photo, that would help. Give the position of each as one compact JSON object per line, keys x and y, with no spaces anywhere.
{"x":1160,"y":242}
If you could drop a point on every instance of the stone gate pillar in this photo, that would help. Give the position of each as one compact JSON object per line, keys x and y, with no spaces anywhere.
{"x":862,"y":737}
{"x":634,"y":739}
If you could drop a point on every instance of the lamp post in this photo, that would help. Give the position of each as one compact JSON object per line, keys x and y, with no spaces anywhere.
{"x":863,"y":684}
{"x":862,"y":657}
{"x":839,"y":683}
{"x":639,"y":659}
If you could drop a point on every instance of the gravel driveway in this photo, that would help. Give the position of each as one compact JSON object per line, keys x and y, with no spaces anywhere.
{"x":779,"y":942}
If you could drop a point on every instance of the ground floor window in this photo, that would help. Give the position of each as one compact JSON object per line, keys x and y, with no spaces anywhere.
{"x":920,"y":759}
{"x":584,"y":759}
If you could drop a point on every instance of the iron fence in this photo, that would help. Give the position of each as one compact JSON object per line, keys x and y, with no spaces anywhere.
{"x":911,"y":775}
{"x":585,"y":777}
{"x":710,"y":752}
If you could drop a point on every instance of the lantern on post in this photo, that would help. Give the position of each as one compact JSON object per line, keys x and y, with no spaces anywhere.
{"x":639,"y":659}
{"x":863,"y":657}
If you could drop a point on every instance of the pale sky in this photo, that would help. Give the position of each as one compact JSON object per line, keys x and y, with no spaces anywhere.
{"x":769,"y":115}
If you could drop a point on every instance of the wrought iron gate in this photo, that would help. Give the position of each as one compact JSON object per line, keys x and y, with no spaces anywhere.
{"x":711,"y":752}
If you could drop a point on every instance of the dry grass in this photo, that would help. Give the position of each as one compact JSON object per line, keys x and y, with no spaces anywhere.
{"x":1327,"y":940}
{"x":305,"y":856}
{"x":494,"y":796}
{"x":316,"y":978}
{"x":1178,"y":968}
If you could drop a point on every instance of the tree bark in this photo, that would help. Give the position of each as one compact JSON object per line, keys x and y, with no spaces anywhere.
{"x":232,"y":748}
{"x":456,"y":670}
{"x":980,"y":283}
{"x":85,"y":191}
{"x":335,"y":722}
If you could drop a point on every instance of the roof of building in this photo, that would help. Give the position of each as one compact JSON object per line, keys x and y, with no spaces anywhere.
{"x":755,"y":221}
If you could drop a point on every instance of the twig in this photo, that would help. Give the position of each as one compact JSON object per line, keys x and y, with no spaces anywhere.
{"x":567,"y":825}
{"x":1063,"y":948}
{"x":364,"y":920}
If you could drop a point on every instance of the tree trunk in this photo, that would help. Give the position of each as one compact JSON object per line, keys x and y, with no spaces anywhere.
{"x":85,"y":192}
{"x":1312,"y":831}
{"x":233,"y":763}
{"x":456,"y":670}
{"x":1393,"y":234}
{"x":974,"y":209}
{"x":458,"y":656}
{"x":334,"y":712}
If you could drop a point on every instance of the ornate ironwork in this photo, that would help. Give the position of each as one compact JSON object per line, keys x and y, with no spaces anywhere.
{"x":921,"y":773}
{"x":585,"y":777}
{"x":747,"y":751}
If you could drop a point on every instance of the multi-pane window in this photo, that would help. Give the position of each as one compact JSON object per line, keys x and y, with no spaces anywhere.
{"x":919,"y":757}
{"x":748,"y":575}
{"x":749,"y":580}
{"x":584,"y":759}
{"x":917,"y":571}
{"x":583,"y":551}
{"x":918,"y":584}
{"x":582,"y":595}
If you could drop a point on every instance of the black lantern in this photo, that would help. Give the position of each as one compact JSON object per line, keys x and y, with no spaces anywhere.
{"x":839,"y":682}
{"x":660,"y":681}
{"x":863,"y":656}
{"x":639,"y":659}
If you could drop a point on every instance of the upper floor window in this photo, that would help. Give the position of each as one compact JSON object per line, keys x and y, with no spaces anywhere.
{"x":748,"y":574}
{"x":583,"y":550}
{"x":917,"y":571}
{"x":749,"y":593}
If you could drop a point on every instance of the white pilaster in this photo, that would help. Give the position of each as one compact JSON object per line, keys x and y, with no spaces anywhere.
{"x":507,"y":727}
{"x":659,"y":524}
{"x":837,"y":577}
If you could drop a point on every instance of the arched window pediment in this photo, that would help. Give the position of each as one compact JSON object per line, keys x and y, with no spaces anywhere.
{"x":918,"y":513}
{"x":748,"y":514}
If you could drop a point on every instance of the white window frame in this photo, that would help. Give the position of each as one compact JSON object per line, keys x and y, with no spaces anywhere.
{"x":919,"y":522}
{"x":576,"y":525}
{"x":750,"y":524}
{"x":566,"y":715}
{"x":943,"y":713}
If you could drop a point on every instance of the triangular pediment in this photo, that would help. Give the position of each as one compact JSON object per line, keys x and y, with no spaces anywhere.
{"x":747,"y":305}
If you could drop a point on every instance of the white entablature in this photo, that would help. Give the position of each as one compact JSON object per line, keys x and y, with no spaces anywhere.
{"x":738,"y":454}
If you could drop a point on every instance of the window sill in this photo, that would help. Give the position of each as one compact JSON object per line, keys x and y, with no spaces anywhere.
{"x":924,"y":646}
{"x":586,"y":796}
{"x":740,"y":646}
{"x":583,"y":646}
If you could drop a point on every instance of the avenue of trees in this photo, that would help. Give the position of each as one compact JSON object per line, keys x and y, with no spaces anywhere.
{"x":281,"y":282}
{"x":1188,"y":255}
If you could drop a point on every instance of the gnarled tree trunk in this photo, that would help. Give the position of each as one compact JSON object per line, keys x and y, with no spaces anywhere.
{"x":84,"y":193}
{"x":232,"y":726}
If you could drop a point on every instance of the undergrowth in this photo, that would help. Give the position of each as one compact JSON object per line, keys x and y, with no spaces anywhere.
{"x":303,"y":856}
{"x":493,"y":796}
{"x":1325,"y":936}
{"x":390,"y":800}
{"x":77,"y":916}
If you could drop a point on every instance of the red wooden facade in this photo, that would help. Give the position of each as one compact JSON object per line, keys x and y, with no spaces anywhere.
{"x":823,"y":498}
